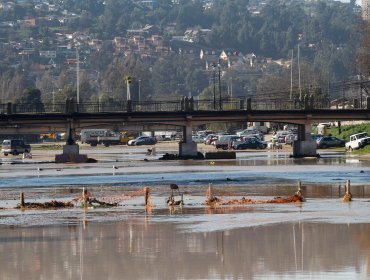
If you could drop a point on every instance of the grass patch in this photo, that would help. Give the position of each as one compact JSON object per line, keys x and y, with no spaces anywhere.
{"x":348,"y":130}
{"x":363,"y":151}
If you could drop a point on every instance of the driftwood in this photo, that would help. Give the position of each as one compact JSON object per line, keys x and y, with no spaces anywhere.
{"x":88,"y":201}
{"x":215,"y":201}
{"x":54,"y":204}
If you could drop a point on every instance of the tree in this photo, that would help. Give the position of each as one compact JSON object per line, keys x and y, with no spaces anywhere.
{"x":32,"y":97}
{"x":363,"y":52}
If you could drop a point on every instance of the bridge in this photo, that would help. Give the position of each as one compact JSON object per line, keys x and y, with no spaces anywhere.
{"x":186,"y":113}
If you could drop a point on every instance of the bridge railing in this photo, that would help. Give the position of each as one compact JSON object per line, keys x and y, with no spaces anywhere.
{"x":290,"y":104}
{"x":185,"y":104}
{"x":216,"y":105}
{"x":156,"y":106}
{"x":96,"y":107}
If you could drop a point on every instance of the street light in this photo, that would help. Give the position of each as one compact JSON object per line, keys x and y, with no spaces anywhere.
{"x":78,"y":75}
{"x":219,"y":83}
{"x":214,"y":85}
{"x":53,"y":93}
{"x":77,"y":71}
{"x":128,"y":82}
{"x":139,"y":90}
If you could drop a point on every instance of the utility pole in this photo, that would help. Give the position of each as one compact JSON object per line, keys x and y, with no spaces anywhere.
{"x":291,"y":77}
{"x":78,"y":75}
{"x":219,"y":83}
{"x":139,"y":90}
{"x":214,"y":85}
{"x":299,"y":76}
{"x":128,"y":82}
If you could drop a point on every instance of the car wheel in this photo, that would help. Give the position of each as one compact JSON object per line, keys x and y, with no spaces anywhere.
{"x":5,"y":154}
{"x":106,"y":145}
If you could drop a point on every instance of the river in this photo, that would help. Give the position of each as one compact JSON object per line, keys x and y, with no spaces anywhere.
{"x":322,"y":238}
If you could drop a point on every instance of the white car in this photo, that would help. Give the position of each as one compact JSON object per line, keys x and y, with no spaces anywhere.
{"x":197,"y":139}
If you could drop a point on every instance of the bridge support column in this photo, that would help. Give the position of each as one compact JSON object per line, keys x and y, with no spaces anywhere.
{"x":305,"y":146}
{"x":71,"y":150}
{"x":187,"y":147}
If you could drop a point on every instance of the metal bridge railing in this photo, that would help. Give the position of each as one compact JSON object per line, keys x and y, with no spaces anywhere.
{"x":185,"y":104}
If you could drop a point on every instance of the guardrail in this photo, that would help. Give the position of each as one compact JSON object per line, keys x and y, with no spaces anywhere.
{"x":185,"y":104}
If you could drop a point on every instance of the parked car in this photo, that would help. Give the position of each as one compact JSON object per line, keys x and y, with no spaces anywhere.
{"x":142,"y":140}
{"x":197,"y":139}
{"x":15,"y":147}
{"x":250,"y":131}
{"x":225,"y":140}
{"x":250,"y":143}
{"x":146,"y":141}
{"x":330,"y":141}
{"x":210,"y":139}
{"x":280,"y":135}
{"x":290,"y":138}
{"x":357,"y":141}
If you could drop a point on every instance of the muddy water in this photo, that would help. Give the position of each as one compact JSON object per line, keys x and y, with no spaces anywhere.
{"x":322,"y":238}
{"x":140,"y":249}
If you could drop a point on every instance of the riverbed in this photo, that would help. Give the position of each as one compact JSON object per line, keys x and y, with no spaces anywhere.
{"x":322,"y":238}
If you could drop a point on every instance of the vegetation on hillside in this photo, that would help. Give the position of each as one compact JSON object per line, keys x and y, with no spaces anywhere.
{"x":328,"y":35}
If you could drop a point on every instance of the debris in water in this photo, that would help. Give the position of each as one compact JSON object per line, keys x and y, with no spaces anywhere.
{"x":46,"y":205}
{"x":347,"y":196}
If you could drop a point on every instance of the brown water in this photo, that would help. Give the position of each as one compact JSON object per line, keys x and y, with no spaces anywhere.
{"x":140,"y":249}
{"x":322,"y":238}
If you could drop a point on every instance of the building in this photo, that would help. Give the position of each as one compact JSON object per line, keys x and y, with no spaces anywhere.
{"x":365,"y":4}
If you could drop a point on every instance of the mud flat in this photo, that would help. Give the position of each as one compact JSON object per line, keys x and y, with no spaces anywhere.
{"x":322,"y":238}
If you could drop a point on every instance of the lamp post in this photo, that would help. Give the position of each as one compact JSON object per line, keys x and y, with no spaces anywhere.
{"x":77,"y":71}
{"x":219,"y":83}
{"x":78,"y":75}
{"x":139,"y":90}
{"x":53,"y":93}
{"x":214,"y":85}
{"x":128,"y":82}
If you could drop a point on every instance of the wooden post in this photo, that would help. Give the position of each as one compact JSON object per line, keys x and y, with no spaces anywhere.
{"x":347,"y":196}
{"x":22,"y":199}
{"x":84,"y":197}
{"x":209,"y":192}
{"x":348,"y":185}
{"x":147,"y":196}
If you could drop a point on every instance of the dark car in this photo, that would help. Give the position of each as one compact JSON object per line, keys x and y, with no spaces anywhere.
{"x":15,"y":147}
{"x":144,"y":141}
{"x":250,"y":143}
{"x":329,"y":141}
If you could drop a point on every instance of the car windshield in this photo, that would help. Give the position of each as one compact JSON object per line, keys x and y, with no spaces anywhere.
{"x":362,"y":135}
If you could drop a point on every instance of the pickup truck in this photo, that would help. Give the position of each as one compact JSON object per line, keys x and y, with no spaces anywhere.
{"x":15,"y":147}
{"x":357,"y":141}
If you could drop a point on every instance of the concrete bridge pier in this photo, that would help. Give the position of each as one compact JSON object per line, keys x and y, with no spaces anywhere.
{"x":187,"y":147}
{"x":305,"y":146}
{"x":71,"y":150}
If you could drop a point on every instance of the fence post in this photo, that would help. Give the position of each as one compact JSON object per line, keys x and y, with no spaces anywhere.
{"x":191,"y":104}
{"x":9,"y":108}
{"x":241,"y":104}
{"x":249,"y":104}
{"x":182,"y":103}
{"x":129,"y":106}
{"x":368,"y":103}
{"x":355,"y":103}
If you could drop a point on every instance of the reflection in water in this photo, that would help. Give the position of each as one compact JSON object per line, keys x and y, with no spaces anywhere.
{"x":138,"y":249}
